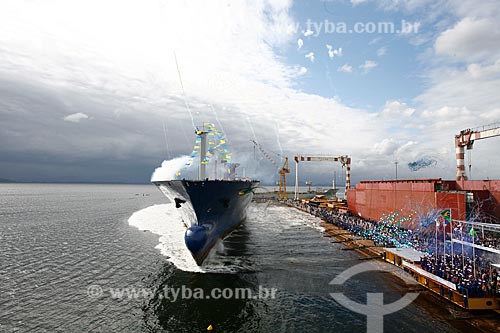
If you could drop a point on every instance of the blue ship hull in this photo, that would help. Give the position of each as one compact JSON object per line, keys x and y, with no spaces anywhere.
{"x":210,"y":209}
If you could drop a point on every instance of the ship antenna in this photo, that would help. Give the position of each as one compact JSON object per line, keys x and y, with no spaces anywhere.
{"x":166,"y":140}
{"x":184,"y":93}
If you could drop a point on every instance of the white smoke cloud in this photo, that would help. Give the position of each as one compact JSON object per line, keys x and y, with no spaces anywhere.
{"x":169,"y":168}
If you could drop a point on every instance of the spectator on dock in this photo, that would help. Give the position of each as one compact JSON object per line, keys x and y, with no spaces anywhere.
{"x":382,"y":234}
{"x":482,"y":284}
{"x":458,"y":270}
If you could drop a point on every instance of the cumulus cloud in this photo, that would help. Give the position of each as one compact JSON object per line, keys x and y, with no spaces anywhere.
{"x":357,"y":2}
{"x":470,"y":40}
{"x":462,"y":93}
{"x":397,"y":110}
{"x":405,"y":5}
{"x":76,"y":117}
{"x":390,"y":146}
{"x":130,"y":82}
{"x":458,"y":94}
{"x":310,"y":56}
{"x":478,"y":71}
{"x":462,"y":89}
{"x":368,"y":65}
{"x":126,"y":74}
{"x":472,"y":8}
{"x":382,"y":51}
{"x":346,"y":68}
{"x":386,"y":147}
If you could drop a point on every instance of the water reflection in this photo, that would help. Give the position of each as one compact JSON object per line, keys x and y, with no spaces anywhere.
{"x":189,"y":313}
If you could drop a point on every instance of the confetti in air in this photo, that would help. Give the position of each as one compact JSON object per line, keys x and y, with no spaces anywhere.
{"x":424,"y":162}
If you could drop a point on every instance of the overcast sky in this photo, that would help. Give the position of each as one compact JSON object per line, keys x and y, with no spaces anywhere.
{"x":87,"y":87}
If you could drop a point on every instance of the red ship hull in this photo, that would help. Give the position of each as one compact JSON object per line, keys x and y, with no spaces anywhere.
{"x":372,"y":199}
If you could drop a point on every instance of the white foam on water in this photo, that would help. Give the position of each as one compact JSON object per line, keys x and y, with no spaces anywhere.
{"x":310,"y":220}
{"x":294,"y":217}
{"x":165,"y":221}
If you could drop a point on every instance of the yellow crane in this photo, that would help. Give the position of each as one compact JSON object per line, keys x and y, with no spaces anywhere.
{"x":282,"y":195}
{"x":282,"y":185}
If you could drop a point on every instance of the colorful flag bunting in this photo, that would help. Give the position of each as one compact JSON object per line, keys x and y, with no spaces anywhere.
{"x":216,"y":145}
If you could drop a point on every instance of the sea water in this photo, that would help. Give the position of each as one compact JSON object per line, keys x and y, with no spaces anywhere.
{"x":60,"y":244}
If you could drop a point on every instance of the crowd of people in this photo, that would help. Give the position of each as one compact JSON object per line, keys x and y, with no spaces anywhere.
{"x":382,"y":234}
{"x":473,"y":277}
{"x":492,"y":242}
{"x":460,"y":271}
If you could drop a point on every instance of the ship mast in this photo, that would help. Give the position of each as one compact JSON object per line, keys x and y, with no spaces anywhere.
{"x":203,"y":153}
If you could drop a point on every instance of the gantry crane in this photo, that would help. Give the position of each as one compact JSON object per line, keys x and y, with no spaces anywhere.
{"x":466,"y":138}
{"x":344,"y":160}
{"x":282,"y":195}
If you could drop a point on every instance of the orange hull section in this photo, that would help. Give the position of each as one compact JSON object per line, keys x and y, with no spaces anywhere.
{"x":372,"y":199}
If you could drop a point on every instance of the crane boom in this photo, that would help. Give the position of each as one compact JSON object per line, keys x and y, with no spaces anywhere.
{"x":266,"y":155}
{"x":466,"y":138}
{"x":341,"y":159}
{"x":282,"y":171}
{"x":344,"y":160}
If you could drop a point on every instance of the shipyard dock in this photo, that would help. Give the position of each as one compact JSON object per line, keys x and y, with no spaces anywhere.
{"x":409,"y":260}
{"x":406,"y":259}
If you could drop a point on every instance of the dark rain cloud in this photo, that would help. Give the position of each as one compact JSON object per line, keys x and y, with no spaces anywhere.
{"x":113,"y":143}
{"x":123,"y":139}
